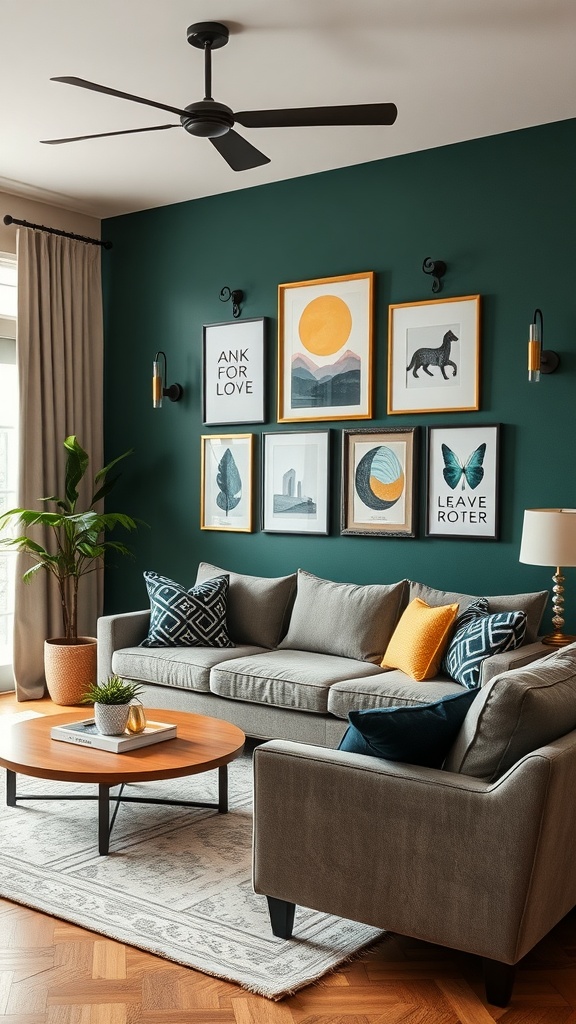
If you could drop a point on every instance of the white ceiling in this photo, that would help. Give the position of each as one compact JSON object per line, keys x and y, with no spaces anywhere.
{"x":456,"y":69}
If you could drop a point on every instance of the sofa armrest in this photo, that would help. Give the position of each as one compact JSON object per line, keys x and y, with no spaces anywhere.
{"x":438,"y":856}
{"x":117,"y":631}
{"x":512,"y":659}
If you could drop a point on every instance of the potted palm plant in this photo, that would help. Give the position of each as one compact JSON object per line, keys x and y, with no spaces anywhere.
{"x":78,"y":547}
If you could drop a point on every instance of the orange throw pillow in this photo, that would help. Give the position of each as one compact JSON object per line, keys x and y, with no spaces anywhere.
{"x":418,"y":642}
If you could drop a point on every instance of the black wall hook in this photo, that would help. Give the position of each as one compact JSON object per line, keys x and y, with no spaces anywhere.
{"x":236,"y":296}
{"x":437,"y":268}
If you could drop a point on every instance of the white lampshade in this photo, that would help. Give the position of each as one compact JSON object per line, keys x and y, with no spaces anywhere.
{"x":549,"y":536}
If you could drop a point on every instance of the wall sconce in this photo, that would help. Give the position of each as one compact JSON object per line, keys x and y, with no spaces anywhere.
{"x":539,"y":361}
{"x":437,"y":268}
{"x":236,"y":297}
{"x":159,"y":389}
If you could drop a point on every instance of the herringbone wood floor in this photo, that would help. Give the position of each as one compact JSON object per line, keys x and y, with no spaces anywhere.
{"x":55,"y":973}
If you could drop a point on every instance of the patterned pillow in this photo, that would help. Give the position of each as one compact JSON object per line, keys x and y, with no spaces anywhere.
{"x":478,"y":635}
{"x":187,"y":618}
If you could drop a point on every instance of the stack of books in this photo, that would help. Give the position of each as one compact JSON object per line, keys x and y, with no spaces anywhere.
{"x":86,"y":734}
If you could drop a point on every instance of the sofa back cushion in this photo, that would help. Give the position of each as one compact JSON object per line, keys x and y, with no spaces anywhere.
{"x":344,"y":619}
{"x":532,"y":604}
{"x":258,"y":606}
{"x":517,"y":712}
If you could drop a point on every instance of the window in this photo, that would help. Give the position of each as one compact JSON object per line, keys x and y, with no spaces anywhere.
{"x":8,"y":455}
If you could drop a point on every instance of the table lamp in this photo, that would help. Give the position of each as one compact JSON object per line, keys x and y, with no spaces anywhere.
{"x":549,"y":538}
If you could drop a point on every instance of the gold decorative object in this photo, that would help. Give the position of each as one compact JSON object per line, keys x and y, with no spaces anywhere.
{"x":136,"y":718}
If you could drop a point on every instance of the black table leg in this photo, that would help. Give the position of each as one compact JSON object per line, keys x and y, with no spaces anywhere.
{"x":223,"y":789}
{"x":103,"y":819}
{"x":10,"y":788}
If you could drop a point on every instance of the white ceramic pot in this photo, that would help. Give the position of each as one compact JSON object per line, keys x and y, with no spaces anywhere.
{"x":111,"y":719}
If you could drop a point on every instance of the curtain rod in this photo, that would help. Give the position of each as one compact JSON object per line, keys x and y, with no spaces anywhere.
{"x":56,"y":231}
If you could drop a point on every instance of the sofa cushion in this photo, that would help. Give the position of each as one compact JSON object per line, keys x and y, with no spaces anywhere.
{"x":418,"y":642}
{"x":533,"y":604}
{"x":384,"y":689}
{"x":343,"y":619}
{"x":479,"y":636}
{"x":287,"y":679}
{"x":258,"y":606}
{"x":516,"y":712}
{"x":187,"y":618}
{"x":421,"y":734}
{"x":185,"y":668}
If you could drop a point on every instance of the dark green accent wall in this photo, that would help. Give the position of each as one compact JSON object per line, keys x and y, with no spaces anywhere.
{"x":500,"y":211}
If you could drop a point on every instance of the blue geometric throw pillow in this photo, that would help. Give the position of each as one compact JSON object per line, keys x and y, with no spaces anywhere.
{"x":187,"y":618}
{"x":417,"y":734}
{"x":482,"y":636}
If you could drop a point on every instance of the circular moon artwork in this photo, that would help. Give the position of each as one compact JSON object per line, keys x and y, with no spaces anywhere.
{"x":325,"y":325}
{"x":379,"y":478}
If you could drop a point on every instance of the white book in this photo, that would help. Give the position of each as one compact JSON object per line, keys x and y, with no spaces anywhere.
{"x":86,"y":734}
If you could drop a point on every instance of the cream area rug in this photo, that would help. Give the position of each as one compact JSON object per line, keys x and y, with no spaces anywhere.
{"x":177,"y":881}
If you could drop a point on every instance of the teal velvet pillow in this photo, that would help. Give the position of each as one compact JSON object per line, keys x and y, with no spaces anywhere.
{"x":418,"y":734}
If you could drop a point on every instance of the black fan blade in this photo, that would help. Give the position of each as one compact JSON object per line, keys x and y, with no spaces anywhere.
{"x":241,"y":155}
{"x":83,"y":84}
{"x":304,"y":117}
{"x":103,"y":135}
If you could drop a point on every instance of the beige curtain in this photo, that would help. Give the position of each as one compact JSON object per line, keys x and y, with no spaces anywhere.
{"x":60,"y":369}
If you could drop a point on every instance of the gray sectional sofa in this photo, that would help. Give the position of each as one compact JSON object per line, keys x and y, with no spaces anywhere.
{"x":307,"y":651}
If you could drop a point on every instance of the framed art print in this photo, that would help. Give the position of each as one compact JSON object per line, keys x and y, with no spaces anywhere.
{"x":295,"y":486}
{"x":234,"y":372}
{"x":462,"y":470}
{"x":325,"y":349}
{"x":379,"y":482}
{"x":226,"y":482}
{"x":434,"y":356}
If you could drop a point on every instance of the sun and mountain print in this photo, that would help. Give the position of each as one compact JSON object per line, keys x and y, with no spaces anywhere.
{"x":328,"y":373}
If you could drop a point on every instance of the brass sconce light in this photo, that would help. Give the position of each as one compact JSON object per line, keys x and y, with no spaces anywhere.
{"x":538,"y":360}
{"x":159,"y":375}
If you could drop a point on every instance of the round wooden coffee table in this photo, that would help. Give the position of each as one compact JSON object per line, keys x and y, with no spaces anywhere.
{"x":202,"y":744}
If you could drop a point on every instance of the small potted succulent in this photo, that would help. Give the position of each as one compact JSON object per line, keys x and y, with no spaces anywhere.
{"x":112,"y":704}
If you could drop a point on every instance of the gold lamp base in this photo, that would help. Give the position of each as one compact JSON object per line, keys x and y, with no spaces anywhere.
{"x":558,"y":639}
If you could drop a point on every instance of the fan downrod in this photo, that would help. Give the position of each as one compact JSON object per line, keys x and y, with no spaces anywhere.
{"x":211,"y":32}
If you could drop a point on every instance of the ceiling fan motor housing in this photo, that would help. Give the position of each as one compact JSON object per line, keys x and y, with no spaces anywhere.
{"x":208,"y":119}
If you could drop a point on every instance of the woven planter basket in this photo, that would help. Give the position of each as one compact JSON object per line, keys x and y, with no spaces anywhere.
{"x":70,"y":668}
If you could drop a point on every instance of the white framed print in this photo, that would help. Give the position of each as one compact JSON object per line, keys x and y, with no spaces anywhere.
{"x":462,"y":471}
{"x":295,"y":482}
{"x":233,"y":359}
{"x":226,"y":482}
{"x":434,"y":356}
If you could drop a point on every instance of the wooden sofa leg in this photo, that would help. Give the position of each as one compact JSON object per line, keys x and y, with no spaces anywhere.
{"x":281,"y":917}
{"x":498,"y":981}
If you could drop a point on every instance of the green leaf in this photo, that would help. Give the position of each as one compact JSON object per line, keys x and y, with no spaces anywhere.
{"x":76,"y":466}
{"x":101,"y":492}
{"x":229,"y":481}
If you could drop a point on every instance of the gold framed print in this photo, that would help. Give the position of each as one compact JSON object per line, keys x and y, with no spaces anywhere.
{"x":325,"y":349}
{"x":226,"y":482}
{"x":434,"y":356}
{"x":379,"y":482}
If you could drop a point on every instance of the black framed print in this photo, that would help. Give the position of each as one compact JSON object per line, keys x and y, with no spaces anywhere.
{"x":462,"y":491}
{"x":234,"y":387}
{"x":295,"y":484}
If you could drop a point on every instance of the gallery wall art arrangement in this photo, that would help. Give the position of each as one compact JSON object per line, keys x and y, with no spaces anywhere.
{"x":325,"y":372}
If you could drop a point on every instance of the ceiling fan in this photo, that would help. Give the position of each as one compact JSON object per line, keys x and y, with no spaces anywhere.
{"x":215,"y":121}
